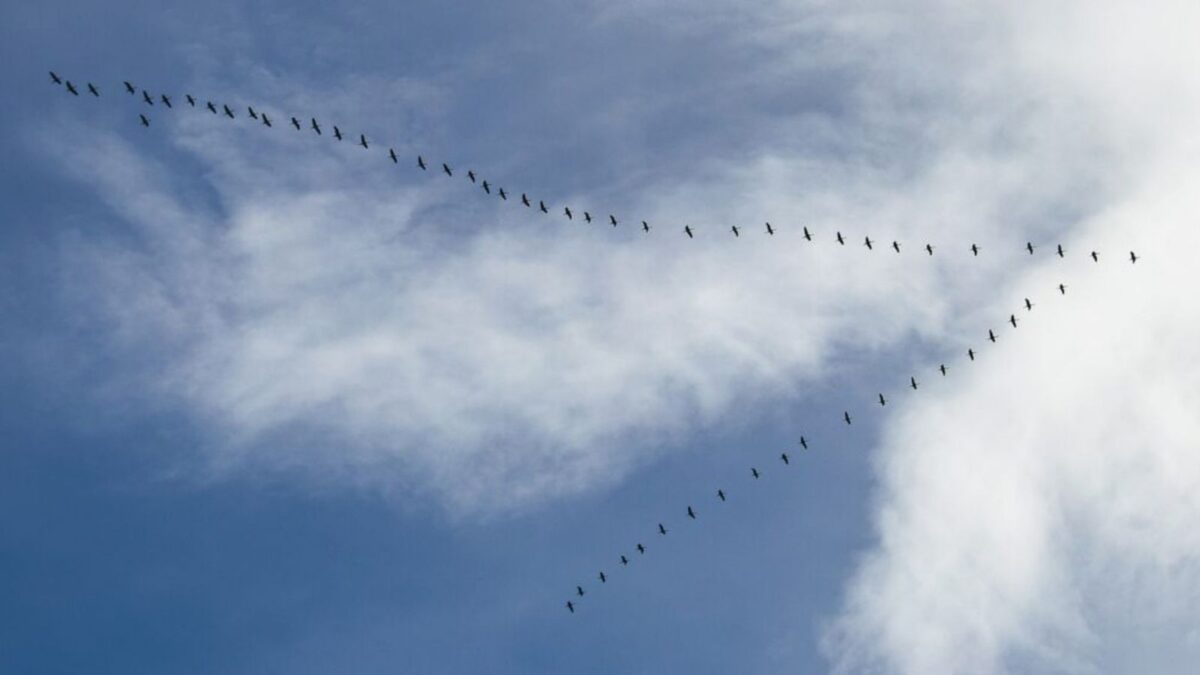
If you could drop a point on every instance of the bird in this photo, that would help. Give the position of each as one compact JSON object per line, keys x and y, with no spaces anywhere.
{"x":807,"y":234}
{"x":1133,"y":257}
{"x":55,"y":78}
{"x":868,"y":243}
{"x":166,"y":101}
{"x":145,"y":122}
{"x":211,"y":108}
{"x":943,"y":368}
{"x":542,"y":206}
{"x":71,"y":88}
{"x":929,"y":249}
{"x":1060,"y":251}
{"x":503,"y":194}
{"x":624,"y":560}
{"x":688,"y":229}
{"x":1029,"y":247}
{"x":487,"y":187}
{"x":840,"y":240}
{"x":896,"y":245}
{"x":645,"y":226}
{"x":784,"y":457}
{"x":471,"y":175}
{"x":337,"y":133}
{"x":129,"y":87}
{"x":446,"y":169}
{"x":1012,"y":318}
{"x":228,"y":112}
{"x":296,"y":123}
{"x":579,"y":591}
{"x":1062,"y":288}
{"x":735,"y":231}
{"x":803,"y":443}
{"x":524,"y":199}
{"x":603,"y":579}
{"x":1028,"y":305}
{"x":846,"y":416}
{"x":641,"y":549}
{"x":612,"y":219}
{"x":571,"y":606}
{"x":721,"y":494}
{"x":392,"y":154}
{"x":96,"y":92}
{"x":974,"y":250}
{"x":770,"y":230}
{"x":754,"y":472}
{"x":567,"y":211}
{"x":587,"y":216}
{"x":362,"y":140}
{"x":1095,"y":257}
{"x":421,"y":163}
{"x":252,"y":113}
{"x":691,"y":513}
{"x":912,"y":380}
{"x":661,"y":529}
{"x":146,"y":98}
{"x":266,"y":120}
{"x":882,"y":400}
{"x":190,"y":99}
{"x":971,"y":354}
{"x":991,"y":336}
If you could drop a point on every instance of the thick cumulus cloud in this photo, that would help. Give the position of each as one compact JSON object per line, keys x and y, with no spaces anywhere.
{"x":321,"y":309}
{"x":1039,"y":515}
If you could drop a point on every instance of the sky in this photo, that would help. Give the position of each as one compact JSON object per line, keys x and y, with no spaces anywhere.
{"x":275,"y":404}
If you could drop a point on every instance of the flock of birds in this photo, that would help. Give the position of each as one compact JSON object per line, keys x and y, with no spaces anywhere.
{"x":755,"y":473}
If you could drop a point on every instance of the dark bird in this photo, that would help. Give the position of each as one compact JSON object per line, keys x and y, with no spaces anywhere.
{"x":55,"y":78}
{"x":524,"y":199}
{"x":587,"y":216}
{"x":166,"y":101}
{"x":912,"y":381}
{"x":130,"y":88}
{"x":190,"y":99}
{"x":1029,"y":247}
{"x":661,"y":529}
{"x":846,"y":416}
{"x":392,"y":154}
{"x":868,"y":243}
{"x":571,"y":606}
{"x":362,"y":140}
{"x":974,"y":250}
{"x":896,"y":245}
{"x":567,"y":211}
{"x":71,"y":88}
{"x":1012,"y":318}
{"x":542,"y":206}
{"x":840,"y":240}
{"x":1133,"y":257}
{"x":641,"y":549}
{"x":691,"y":513}
{"x":735,"y":231}
{"x":803,"y":443}
{"x":1095,"y":257}
{"x":421,"y":163}
{"x":145,"y":122}
{"x":688,"y":229}
{"x":971,"y":354}
{"x":943,"y":368}
{"x":882,"y":400}
{"x":721,"y":494}
{"x":624,"y":560}
{"x":228,"y":112}
{"x":446,"y":169}
{"x":929,"y":249}
{"x":603,"y":579}
{"x":503,"y":194}
{"x":579,"y":591}
{"x":770,"y":230}
{"x":252,"y":113}
{"x":211,"y":108}
{"x":471,"y":175}
{"x":754,"y":472}
{"x":612,"y":219}
{"x":96,"y":92}
{"x":991,"y":335}
{"x":1060,"y":251}
{"x":1062,"y":288}
{"x":807,"y":234}
{"x":337,"y":133}
{"x":487,"y":187}
{"x":296,"y":123}
{"x":1028,"y":305}
{"x":645,"y":226}
{"x":266,"y":120}
{"x":785,"y":459}
{"x":146,"y":98}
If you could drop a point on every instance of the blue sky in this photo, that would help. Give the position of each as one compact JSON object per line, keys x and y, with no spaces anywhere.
{"x":273,"y":404}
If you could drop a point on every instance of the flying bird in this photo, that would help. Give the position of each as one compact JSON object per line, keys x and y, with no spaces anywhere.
{"x":145,"y":122}
{"x":974,"y":250}
{"x":882,"y":400}
{"x":362,"y":140}
{"x":571,"y":606}
{"x":1029,"y":247}
{"x":96,"y":92}
{"x":1060,"y":251}
{"x":524,"y":199}
{"x":166,"y":101}
{"x":1012,"y":318}
{"x":840,"y":240}
{"x":567,"y":211}
{"x":624,"y":560}
{"x":471,"y":175}
{"x":846,"y":416}
{"x":688,"y":229}
{"x":929,"y":249}
{"x":1062,"y":288}
{"x":392,"y":154}
{"x":803,"y":443}
{"x":71,"y":88}
{"x":190,"y":99}
{"x":542,"y":206}
{"x":785,"y":459}
{"x":721,"y":494}
{"x":896,"y":245}
{"x":603,"y":579}
{"x":691,"y":513}
{"x":487,"y":187}
{"x":971,"y":354}
{"x":1028,"y":305}
{"x":579,"y":591}
{"x":228,"y":112}
{"x":211,"y":108}
{"x":943,"y":368}
{"x":641,"y":549}
{"x":421,"y":162}
{"x":770,"y":230}
{"x":130,"y":88}
{"x":146,"y":98}
{"x":252,"y":113}
{"x":991,"y":336}
{"x":645,"y":226}
{"x":912,"y":381}
{"x":868,"y":243}
{"x":266,"y":120}
{"x":55,"y":78}
{"x":296,"y":123}
{"x":446,"y":169}
{"x":612,"y":219}
{"x":503,"y":194}
{"x":754,"y":472}
{"x":1095,"y":257}
{"x":337,"y":133}
{"x":735,"y":231}
{"x":661,"y":529}
{"x":587,"y":216}
{"x":807,"y":234}
{"x":1133,"y":257}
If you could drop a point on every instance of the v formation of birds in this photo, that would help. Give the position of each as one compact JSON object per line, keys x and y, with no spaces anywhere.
{"x":754,"y":472}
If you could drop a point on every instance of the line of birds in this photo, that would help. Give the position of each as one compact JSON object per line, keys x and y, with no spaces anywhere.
{"x":803,"y":443}
{"x":691,"y":232}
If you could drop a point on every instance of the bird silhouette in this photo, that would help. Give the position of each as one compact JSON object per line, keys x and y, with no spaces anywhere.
{"x":645,"y":226}
{"x":971,"y":354}
{"x":688,"y":230}
{"x":55,"y":78}
{"x":943,"y":368}
{"x":190,"y":99}
{"x":929,"y":249}
{"x":1028,"y":305}
{"x":503,"y":194}
{"x":96,"y":92}
{"x":840,"y":240}
{"x":250,"y":109}
{"x":1029,"y":247}
{"x":392,"y":155}
{"x":337,"y":133}
{"x":487,"y":187}
{"x":896,"y":246}
{"x":661,"y":529}
{"x":145,"y":122}
{"x":228,"y":112}
{"x":524,"y":199}
{"x":1060,"y":251}
{"x":211,"y":108}
{"x":567,"y":212}
{"x":296,"y":123}
{"x":641,"y":549}
{"x":754,"y":472}
{"x":362,"y":140}
{"x":784,"y":457}
{"x":691,"y":513}
{"x":803,"y":443}
{"x":770,"y":230}
{"x":912,"y":380}
{"x":579,"y":591}
{"x":587,"y":216}
{"x":624,"y":560}
{"x":1133,"y":257}
{"x":721,"y":495}
{"x":421,"y":163}
{"x":974,"y":250}
{"x":882,"y":400}
{"x":1095,"y":257}
{"x":867,"y":241}
{"x":146,"y":98}
{"x":603,"y":579}
{"x":1012,"y":318}
{"x":130,"y":88}
{"x":807,"y":234}
{"x":1062,"y":288}
{"x":612,"y":219}
{"x":446,"y":169}
{"x":846,"y":416}
{"x":71,"y":88}
{"x":471,"y":175}
{"x":571,"y":606}
{"x":542,"y":206}
{"x":266,"y":120}
{"x":735,"y":231}
{"x":991,"y":336}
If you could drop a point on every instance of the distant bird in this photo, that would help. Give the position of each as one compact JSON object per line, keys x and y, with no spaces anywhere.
{"x":603,"y":579}
{"x":503,"y":194}
{"x":846,"y":416}
{"x":487,"y":187}
{"x":1012,"y":318}
{"x":71,"y":88}
{"x":1060,"y":251}
{"x":166,"y":101}
{"x":421,"y":163}
{"x":1062,"y":288}
{"x":579,"y":591}
{"x":1133,"y":257}
{"x":446,"y":169}
{"x":266,"y":120}
{"x":524,"y":199}
{"x":641,"y":549}
{"x":542,"y":206}
{"x":974,"y":250}
{"x":807,"y":234}
{"x":362,"y":140}
{"x":96,"y":92}
{"x":1028,"y":305}
{"x":471,"y":175}
{"x":567,"y":211}
{"x":912,"y":381}
{"x":645,"y":226}
{"x":146,"y":98}
{"x":1095,"y":257}
{"x":721,"y":494}
{"x":754,"y":472}
{"x":337,"y":133}
{"x":624,"y":560}
{"x":1029,"y":247}
{"x":612,"y":219}
{"x":770,"y":230}
{"x":145,"y":122}
{"x":252,"y":113}
{"x":971,"y":354}
{"x":929,"y":249}
{"x":296,"y":123}
{"x":882,"y":400}
{"x":211,"y":108}
{"x":943,"y":368}
{"x":803,"y":443}
{"x":868,"y":243}
{"x":691,"y":513}
{"x":587,"y":216}
{"x":661,"y":529}
{"x":130,"y":88}
{"x":688,"y":229}
{"x":190,"y":99}
{"x":392,"y":154}
{"x":991,"y":336}
{"x":571,"y":606}
{"x":896,"y":246}
{"x":840,"y":240}
{"x":785,"y":459}
{"x":55,"y":78}
{"x":228,"y":112}
{"x":735,"y":231}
